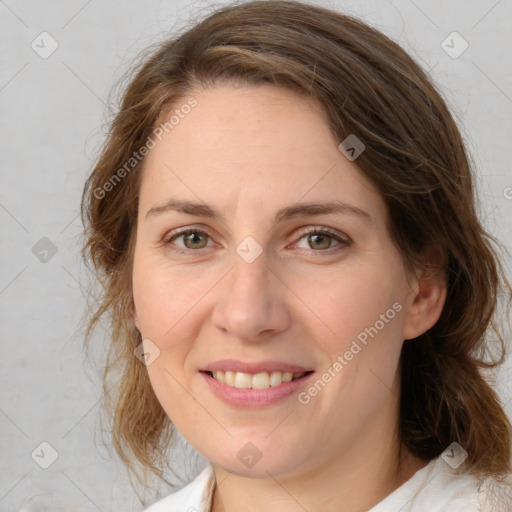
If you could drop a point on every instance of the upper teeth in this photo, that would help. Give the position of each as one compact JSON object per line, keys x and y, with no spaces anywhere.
{"x":261,"y":380}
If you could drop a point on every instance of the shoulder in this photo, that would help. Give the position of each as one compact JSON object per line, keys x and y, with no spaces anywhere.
{"x":194,"y":497}
{"x":438,"y":487}
{"x":495,"y":494}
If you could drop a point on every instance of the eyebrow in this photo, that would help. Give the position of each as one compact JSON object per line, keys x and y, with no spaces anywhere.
{"x":289,"y":212}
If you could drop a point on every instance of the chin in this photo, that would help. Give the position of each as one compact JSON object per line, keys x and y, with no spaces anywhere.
{"x":252,"y":463}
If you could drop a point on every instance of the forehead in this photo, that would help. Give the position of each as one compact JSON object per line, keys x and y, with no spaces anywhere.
{"x":255,"y":144}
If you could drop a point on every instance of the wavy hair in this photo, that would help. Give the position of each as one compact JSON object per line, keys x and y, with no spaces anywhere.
{"x":415,"y":157}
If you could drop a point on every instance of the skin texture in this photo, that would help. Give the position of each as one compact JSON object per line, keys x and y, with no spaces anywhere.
{"x":248,"y":151}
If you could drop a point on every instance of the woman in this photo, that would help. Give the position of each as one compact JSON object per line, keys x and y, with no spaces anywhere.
{"x":283,"y":221}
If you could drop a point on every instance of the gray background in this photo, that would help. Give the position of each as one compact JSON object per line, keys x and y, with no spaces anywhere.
{"x":54,"y":113}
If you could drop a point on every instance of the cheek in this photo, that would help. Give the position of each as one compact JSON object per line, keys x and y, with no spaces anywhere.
{"x":164,"y":300}
{"x":362,"y":309}
{"x":352,"y":301}
{"x":162,"y":297}
{"x":357,"y":325}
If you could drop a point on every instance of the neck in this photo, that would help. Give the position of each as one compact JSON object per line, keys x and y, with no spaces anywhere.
{"x":350,"y":483}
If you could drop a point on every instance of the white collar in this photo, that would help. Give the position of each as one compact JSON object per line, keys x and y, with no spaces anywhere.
{"x":434,"y":488}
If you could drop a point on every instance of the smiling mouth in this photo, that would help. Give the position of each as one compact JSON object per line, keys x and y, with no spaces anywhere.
{"x":262,"y":380}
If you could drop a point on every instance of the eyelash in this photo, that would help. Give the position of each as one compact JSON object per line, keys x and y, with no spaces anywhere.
{"x":342,"y":243}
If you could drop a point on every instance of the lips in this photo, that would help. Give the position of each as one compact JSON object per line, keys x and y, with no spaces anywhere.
{"x":254,"y":390}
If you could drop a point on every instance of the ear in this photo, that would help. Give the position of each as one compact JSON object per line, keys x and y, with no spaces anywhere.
{"x":427,"y":301}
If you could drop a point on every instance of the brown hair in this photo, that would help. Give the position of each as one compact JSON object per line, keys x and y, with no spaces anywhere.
{"x":414,"y":156}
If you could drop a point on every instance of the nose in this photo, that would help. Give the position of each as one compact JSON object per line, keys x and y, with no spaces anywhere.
{"x":251,"y":302}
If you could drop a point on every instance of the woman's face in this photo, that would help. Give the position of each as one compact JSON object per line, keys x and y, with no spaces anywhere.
{"x":253,"y":284}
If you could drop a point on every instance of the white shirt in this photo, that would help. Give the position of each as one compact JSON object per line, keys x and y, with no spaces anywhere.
{"x":435,"y":488}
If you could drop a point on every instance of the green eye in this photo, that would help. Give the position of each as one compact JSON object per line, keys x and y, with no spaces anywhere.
{"x":322,"y":240}
{"x":193,"y":239}
{"x":318,"y":240}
